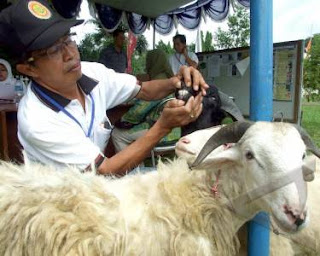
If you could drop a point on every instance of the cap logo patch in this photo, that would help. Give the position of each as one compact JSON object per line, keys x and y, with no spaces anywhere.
{"x":39,"y":10}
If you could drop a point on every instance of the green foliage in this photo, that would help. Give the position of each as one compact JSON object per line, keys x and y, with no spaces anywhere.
{"x":165,"y":47}
{"x":142,"y":44}
{"x":206,"y":42}
{"x":311,"y":121}
{"x":192,"y":47}
{"x":238,"y":33}
{"x":139,"y":63}
{"x":93,"y":43}
{"x":311,"y":70}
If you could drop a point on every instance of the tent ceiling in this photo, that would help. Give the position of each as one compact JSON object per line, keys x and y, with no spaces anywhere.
{"x":147,"y":8}
{"x":164,"y":14}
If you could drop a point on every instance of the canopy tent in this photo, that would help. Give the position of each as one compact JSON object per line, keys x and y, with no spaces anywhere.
{"x":140,"y":13}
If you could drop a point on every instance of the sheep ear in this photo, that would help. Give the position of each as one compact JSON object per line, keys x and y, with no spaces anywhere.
{"x":224,"y":158}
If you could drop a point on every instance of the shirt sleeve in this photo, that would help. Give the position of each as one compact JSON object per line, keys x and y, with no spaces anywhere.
{"x":114,"y":88}
{"x":194,"y":57}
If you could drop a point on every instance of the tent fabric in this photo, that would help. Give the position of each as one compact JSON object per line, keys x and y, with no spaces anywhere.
{"x":188,"y":16}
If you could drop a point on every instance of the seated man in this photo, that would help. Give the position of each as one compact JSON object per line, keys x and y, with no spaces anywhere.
{"x":143,"y":115}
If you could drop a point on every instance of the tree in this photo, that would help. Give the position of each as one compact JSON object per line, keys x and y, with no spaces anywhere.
{"x":165,"y":47}
{"x":238,"y":33}
{"x":142,"y":44}
{"x":192,"y":47}
{"x":206,"y":42}
{"x":311,"y":70}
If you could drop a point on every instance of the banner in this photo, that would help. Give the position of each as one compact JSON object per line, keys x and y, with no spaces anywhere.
{"x":132,"y":43}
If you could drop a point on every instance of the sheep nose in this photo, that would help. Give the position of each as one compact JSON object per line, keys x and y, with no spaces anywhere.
{"x":300,"y":219}
{"x":185,"y":140}
{"x":299,"y":222}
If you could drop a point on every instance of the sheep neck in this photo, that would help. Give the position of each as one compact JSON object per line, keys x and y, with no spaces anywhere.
{"x":226,"y":188}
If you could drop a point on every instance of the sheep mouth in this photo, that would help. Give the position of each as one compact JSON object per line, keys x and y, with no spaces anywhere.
{"x":291,"y":222}
{"x":180,"y":149}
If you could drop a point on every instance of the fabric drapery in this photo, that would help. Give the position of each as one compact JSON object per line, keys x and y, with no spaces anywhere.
{"x":188,"y":16}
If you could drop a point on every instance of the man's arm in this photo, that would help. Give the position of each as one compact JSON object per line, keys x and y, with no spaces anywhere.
{"x":190,"y":61}
{"x":176,"y":113}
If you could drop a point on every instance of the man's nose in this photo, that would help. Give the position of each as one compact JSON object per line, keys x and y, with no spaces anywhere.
{"x":67,"y":52}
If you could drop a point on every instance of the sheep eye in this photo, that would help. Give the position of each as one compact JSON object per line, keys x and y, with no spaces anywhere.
{"x":249,"y":155}
{"x":304,"y":156}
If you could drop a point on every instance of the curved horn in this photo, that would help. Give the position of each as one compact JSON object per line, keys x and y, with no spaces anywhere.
{"x":227,"y":134}
{"x":230,"y":107}
{"x":308,"y":141}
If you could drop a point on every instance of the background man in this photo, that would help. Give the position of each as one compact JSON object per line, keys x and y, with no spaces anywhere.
{"x":182,"y":55}
{"x":113,"y":56}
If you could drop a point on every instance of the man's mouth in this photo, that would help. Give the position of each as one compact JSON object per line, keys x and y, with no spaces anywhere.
{"x":75,"y":67}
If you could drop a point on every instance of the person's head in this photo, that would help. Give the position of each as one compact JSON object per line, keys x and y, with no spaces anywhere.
{"x":5,"y":70}
{"x":179,"y":43}
{"x":41,"y":38}
{"x":119,"y":38}
{"x":157,"y":64}
{"x":3,"y":73}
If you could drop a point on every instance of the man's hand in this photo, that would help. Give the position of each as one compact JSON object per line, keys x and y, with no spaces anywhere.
{"x":177,"y":113}
{"x":192,"y":77}
{"x":185,"y":51}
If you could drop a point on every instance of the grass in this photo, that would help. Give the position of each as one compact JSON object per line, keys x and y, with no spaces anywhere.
{"x":311,"y":120}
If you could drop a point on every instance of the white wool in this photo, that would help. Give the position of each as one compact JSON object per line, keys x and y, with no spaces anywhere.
{"x":169,"y":212}
{"x":45,"y":212}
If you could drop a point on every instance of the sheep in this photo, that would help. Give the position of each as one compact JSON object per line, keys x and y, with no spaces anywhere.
{"x":172,"y":211}
{"x":216,"y":106}
{"x":305,"y":242}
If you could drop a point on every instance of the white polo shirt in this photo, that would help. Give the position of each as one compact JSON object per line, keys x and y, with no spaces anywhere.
{"x":177,"y":60}
{"x":50,"y":136}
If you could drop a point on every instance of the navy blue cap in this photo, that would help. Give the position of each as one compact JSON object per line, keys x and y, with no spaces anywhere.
{"x":30,"y":25}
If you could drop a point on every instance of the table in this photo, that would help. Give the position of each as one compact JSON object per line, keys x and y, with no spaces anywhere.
{"x":10,"y":148}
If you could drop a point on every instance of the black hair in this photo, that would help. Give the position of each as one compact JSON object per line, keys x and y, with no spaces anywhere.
{"x":182,"y":38}
{"x":117,"y":32}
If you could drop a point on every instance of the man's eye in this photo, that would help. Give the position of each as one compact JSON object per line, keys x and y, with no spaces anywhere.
{"x":54,"y":49}
{"x":68,"y":41}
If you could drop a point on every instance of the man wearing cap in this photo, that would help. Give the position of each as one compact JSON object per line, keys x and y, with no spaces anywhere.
{"x":62,"y":117}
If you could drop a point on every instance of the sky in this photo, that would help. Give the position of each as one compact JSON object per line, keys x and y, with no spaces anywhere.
{"x":292,"y":20}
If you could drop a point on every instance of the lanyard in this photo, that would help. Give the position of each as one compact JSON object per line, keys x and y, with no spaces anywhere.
{"x":178,"y":59}
{"x":57,"y":105}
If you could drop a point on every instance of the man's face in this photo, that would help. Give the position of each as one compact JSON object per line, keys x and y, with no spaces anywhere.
{"x":178,"y":45}
{"x":3,"y":73}
{"x":58,"y":65}
{"x":119,"y":40}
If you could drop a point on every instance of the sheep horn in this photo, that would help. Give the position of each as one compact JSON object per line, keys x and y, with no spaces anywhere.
{"x":308,"y":141}
{"x":230,"y":133}
{"x":230,"y":107}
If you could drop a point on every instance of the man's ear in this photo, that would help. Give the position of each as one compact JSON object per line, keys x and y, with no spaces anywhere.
{"x":26,"y":69}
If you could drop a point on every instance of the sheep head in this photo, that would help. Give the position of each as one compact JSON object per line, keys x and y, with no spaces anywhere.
{"x":270,"y":157}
